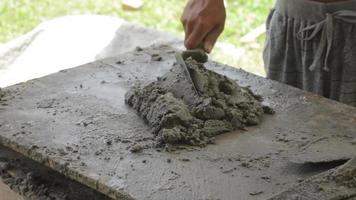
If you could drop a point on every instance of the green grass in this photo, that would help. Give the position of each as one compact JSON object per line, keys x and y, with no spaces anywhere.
{"x":20,"y":16}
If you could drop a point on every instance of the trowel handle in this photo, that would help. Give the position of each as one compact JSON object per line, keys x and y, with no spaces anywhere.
{"x":197,"y":54}
{"x":200,"y":47}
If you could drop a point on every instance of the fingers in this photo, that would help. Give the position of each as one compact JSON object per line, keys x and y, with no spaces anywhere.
{"x":202,"y":37}
{"x":199,"y":34}
{"x":203,"y":22}
{"x":211,"y":38}
{"x":195,"y":34}
{"x":183,"y":21}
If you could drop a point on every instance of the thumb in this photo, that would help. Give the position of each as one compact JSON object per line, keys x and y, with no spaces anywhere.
{"x":211,"y":38}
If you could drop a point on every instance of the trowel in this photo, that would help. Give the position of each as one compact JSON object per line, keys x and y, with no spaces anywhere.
{"x":198,"y":55}
{"x":319,"y":151}
{"x":335,"y":184}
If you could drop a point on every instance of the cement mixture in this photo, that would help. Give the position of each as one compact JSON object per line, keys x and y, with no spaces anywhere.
{"x":179,"y":115}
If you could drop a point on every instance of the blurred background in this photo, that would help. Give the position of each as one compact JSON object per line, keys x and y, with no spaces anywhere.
{"x":240,"y":45}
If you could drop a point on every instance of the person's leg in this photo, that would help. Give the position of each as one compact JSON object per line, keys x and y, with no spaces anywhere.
{"x":311,"y":51}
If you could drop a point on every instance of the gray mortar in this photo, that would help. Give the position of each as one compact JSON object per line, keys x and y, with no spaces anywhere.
{"x":177,"y":114}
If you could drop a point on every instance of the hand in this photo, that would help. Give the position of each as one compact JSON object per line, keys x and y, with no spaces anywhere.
{"x":203,"y":22}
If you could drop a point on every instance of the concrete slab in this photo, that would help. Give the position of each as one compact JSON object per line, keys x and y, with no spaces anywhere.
{"x":22,"y":178}
{"x":77,"y":123}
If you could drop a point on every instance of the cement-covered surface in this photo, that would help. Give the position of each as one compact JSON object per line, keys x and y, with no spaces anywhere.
{"x":336,"y":183}
{"x":76,"y":122}
{"x":29,"y":180}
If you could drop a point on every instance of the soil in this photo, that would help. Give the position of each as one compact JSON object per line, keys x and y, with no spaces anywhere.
{"x":178,"y":114}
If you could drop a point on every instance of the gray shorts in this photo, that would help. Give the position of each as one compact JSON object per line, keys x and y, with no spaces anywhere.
{"x":312,"y":46}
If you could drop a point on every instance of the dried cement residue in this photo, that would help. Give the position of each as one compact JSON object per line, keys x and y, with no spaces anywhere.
{"x":347,"y":178}
{"x":177,"y":114}
{"x":33,"y":180}
{"x":335,"y":184}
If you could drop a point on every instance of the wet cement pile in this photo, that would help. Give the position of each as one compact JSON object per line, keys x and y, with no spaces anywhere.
{"x":177,"y":114}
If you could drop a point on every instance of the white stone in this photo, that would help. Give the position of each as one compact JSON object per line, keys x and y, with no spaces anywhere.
{"x":70,"y":41}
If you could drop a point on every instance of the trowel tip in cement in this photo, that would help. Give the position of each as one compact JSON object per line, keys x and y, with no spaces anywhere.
{"x":198,"y":55}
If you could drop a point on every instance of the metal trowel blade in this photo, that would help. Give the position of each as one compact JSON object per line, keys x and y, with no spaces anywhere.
{"x":182,"y":63}
{"x":324,"y":150}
